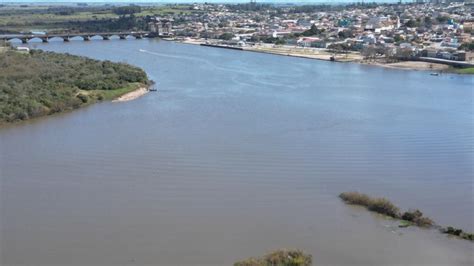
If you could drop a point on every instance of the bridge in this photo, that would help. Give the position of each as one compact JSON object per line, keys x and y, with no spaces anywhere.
{"x":25,"y":38}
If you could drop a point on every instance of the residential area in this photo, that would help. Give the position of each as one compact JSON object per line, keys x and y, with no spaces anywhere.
{"x":438,"y":29}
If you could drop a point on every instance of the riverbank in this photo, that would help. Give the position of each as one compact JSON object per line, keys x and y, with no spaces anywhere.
{"x":326,"y":55}
{"x":129,"y":96}
{"x":411,"y":65}
{"x":43,"y":83}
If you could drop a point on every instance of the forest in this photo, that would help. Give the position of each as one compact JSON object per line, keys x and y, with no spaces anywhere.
{"x":40,"y":83}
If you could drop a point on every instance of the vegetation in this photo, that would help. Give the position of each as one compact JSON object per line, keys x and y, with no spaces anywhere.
{"x":467,"y":46}
{"x":279,"y":258}
{"x":458,"y":232}
{"x":416,"y":217}
{"x":379,"y":205}
{"x":468,"y":70}
{"x":313,"y":31}
{"x":384,"y":206}
{"x":226,"y":36}
{"x":411,"y":217}
{"x":127,"y":10}
{"x":41,"y":83}
{"x":81,"y":18}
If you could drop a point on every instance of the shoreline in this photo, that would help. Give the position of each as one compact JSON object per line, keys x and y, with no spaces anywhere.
{"x":132,"y":95}
{"x":128,"y":96}
{"x":323,"y":55}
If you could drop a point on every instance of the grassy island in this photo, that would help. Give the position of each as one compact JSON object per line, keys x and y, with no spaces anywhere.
{"x":41,"y":83}
{"x":385,"y":207}
{"x":279,"y":258}
{"x":408,"y":218}
{"x":379,"y":205}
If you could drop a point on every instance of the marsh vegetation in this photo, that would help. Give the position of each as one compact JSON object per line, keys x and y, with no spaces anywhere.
{"x":408,"y":218}
{"x":279,"y":258}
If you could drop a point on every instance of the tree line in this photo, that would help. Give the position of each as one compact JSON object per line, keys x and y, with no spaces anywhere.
{"x":41,"y":83}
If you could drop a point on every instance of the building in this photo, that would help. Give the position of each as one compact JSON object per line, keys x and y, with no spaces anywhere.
{"x":161,"y":27}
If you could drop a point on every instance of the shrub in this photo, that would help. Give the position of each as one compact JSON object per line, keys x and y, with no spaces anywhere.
{"x":379,"y":205}
{"x":356,"y":198}
{"x":452,"y":231}
{"x":458,"y":232}
{"x":468,"y":236}
{"x":424,"y":222}
{"x":279,"y":258}
{"x":384,"y":206}
{"x":412,"y":215}
{"x":416,"y":216}
{"x":84,"y":98}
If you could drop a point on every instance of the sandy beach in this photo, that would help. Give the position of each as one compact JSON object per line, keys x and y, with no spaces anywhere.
{"x":132,"y":95}
{"x":411,"y":65}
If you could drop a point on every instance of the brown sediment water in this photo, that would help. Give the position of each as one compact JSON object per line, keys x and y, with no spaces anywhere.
{"x":240,"y":154}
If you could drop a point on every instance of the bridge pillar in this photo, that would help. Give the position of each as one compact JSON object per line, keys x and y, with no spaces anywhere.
{"x":138,"y":36}
{"x":66,"y":39}
{"x":24,"y":40}
{"x":86,"y":38}
{"x":106,"y":37}
{"x":44,"y":39}
{"x":122,"y":37}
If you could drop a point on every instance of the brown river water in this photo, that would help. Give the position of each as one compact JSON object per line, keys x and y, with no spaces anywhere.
{"x":237,"y":154}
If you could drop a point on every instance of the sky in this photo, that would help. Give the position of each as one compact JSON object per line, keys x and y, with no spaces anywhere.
{"x":192,"y":1}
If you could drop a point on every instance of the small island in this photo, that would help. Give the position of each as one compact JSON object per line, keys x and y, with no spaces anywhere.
{"x":37,"y":83}
{"x":283,"y":257}
{"x":408,"y":218}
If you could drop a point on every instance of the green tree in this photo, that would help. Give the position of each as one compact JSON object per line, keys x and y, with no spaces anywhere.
{"x":226,"y":36}
{"x":127,"y":10}
{"x":467,"y":46}
{"x":312,"y":31}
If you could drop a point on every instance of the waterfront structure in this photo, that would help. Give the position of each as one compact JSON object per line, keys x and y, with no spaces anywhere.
{"x":24,"y":38}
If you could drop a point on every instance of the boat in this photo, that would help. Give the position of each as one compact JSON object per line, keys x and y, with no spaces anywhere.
{"x":434,"y":74}
{"x":152,"y":89}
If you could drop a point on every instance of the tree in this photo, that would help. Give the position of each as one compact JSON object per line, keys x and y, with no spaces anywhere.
{"x":226,"y":36}
{"x":280,"y":41}
{"x":442,"y":19}
{"x":397,"y":38}
{"x":467,"y":46}
{"x":312,"y":31}
{"x":127,"y":10}
{"x":411,"y":23}
{"x":428,"y":21}
{"x":345,"y":34}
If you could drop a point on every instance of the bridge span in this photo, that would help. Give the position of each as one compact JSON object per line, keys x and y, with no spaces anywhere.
{"x":25,"y":38}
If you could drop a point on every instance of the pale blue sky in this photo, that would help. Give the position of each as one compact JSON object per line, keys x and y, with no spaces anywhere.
{"x":190,"y":1}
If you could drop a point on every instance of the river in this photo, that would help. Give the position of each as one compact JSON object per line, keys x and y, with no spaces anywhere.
{"x":237,"y":154}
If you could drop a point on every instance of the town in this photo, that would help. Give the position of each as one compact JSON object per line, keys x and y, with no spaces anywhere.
{"x":436,"y":31}
{"x":421,"y":34}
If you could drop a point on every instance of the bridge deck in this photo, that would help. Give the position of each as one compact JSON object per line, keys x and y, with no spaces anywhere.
{"x":70,"y":35}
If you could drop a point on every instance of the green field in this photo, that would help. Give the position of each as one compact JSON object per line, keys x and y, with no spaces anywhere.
{"x":14,"y":18}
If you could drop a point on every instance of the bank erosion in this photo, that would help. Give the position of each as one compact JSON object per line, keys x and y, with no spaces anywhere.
{"x":38,"y":83}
